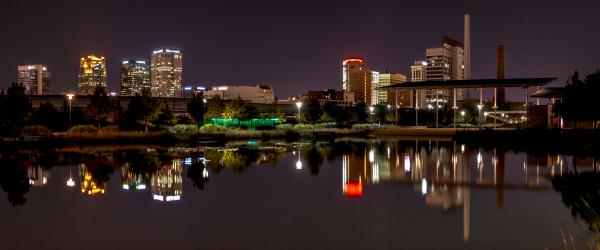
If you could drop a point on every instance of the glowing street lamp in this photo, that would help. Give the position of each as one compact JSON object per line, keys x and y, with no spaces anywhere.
{"x":479,"y":106}
{"x":371,"y":108}
{"x":70,"y":96}
{"x":299,"y":105}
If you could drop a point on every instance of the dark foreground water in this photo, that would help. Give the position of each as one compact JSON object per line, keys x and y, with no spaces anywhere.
{"x":342,"y":195}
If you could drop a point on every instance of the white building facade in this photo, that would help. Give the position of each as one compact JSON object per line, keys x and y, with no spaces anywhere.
{"x":252,"y":94}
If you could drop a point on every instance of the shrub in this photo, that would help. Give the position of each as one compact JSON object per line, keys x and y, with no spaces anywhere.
{"x":363,"y":125}
{"x":35,"y":130}
{"x":285,"y":126}
{"x":81,"y":129}
{"x":111,"y":129}
{"x":183,"y":129}
{"x":211,"y":128}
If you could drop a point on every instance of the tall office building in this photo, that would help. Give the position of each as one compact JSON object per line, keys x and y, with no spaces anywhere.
{"x":92,"y":74}
{"x":166,"y":67}
{"x":442,"y":64}
{"x":385,"y":79}
{"x":357,"y":78}
{"x":35,"y":78}
{"x":135,"y":77}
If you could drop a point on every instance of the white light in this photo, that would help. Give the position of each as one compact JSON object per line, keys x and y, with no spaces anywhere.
{"x":44,"y":180}
{"x":70,"y":182}
{"x":298,"y":164}
{"x":407,"y":163}
{"x":424,"y":186}
{"x":158,"y":197}
{"x":462,"y":113}
{"x":299,"y":104}
{"x":141,"y":62}
{"x":371,"y":156}
{"x":187,"y":88}
{"x":125,"y":186}
{"x":222,"y":88}
{"x":424,"y":63}
{"x":125,"y":62}
{"x":70,"y":96}
{"x":141,"y":187}
{"x":462,"y":148}
{"x":479,"y":106}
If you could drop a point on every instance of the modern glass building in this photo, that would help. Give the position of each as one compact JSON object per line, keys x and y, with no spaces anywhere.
{"x":166,"y":68}
{"x":35,"y":78}
{"x":92,"y":74}
{"x":135,"y":77}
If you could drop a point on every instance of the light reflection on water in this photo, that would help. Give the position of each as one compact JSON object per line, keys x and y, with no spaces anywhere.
{"x":443,"y":174}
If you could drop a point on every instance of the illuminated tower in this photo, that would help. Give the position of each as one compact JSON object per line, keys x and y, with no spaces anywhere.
{"x":357,"y":78}
{"x":166,"y":67}
{"x":135,"y":77}
{"x":35,"y":78}
{"x":92,"y":74}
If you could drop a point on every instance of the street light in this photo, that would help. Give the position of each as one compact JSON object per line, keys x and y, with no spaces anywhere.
{"x":70,"y":96}
{"x":371,"y":112}
{"x":479,"y":106}
{"x":299,"y":105}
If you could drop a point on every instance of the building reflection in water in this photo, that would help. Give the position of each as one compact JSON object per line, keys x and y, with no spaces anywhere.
{"x":167,"y":182}
{"x":37,"y":175}
{"x":131,"y":180}
{"x":89,"y":186}
{"x":443,"y":172}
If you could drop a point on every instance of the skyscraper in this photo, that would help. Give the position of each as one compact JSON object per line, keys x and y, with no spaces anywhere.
{"x":92,"y":74}
{"x":166,"y":67}
{"x":35,"y":78}
{"x":357,"y":78}
{"x":135,"y":77}
{"x":442,"y":64}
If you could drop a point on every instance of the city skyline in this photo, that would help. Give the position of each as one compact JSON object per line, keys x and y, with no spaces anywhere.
{"x":218,"y":50}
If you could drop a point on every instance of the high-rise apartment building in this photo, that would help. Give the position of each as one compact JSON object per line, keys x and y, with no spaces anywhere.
{"x":92,"y":74}
{"x":166,"y":68}
{"x":135,"y":77}
{"x":382,"y":80}
{"x":442,"y":64}
{"x":35,"y":78}
{"x":357,"y":78}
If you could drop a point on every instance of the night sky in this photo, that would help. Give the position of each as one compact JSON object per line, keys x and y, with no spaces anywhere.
{"x":296,"y":45}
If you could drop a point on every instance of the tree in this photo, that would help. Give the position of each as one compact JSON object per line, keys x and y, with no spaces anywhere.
{"x":362,"y":112}
{"x":101,"y":109}
{"x":579,"y":101}
{"x":233,"y":109}
{"x":15,"y":107}
{"x":197,"y":109}
{"x":198,"y":173}
{"x":249,"y":112}
{"x":142,"y":107}
{"x":164,"y":115}
{"x":312,"y":112}
{"x":381,"y":111}
{"x":214,"y":107}
{"x":46,"y":114}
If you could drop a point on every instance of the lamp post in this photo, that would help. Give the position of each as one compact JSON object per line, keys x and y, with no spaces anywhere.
{"x":479,"y":107}
{"x":299,"y":105}
{"x":70,"y":96}
{"x":462,"y":115}
{"x":371,"y":108}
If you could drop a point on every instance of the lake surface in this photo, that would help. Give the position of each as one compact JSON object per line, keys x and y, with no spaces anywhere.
{"x":363,"y":194}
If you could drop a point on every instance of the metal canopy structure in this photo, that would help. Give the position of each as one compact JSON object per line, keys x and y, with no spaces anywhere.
{"x":558,"y":92}
{"x":475,"y":83}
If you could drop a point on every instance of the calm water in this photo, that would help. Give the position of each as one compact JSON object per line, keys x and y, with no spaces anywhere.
{"x":257,"y":195}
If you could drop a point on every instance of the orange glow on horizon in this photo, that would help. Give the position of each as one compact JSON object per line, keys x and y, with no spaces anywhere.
{"x":353,"y":60}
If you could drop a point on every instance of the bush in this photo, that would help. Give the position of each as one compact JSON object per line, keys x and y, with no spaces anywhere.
{"x":211,"y":128}
{"x":285,"y":126}
{"x":82,"y":129}
{"x":363,"y":125}
{"x":184,"y":129}
{"x":111,"y":129}
{"x":35,"y":130}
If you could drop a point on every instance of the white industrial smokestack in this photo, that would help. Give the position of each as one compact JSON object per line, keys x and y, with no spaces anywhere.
{"x":467,"y":49}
